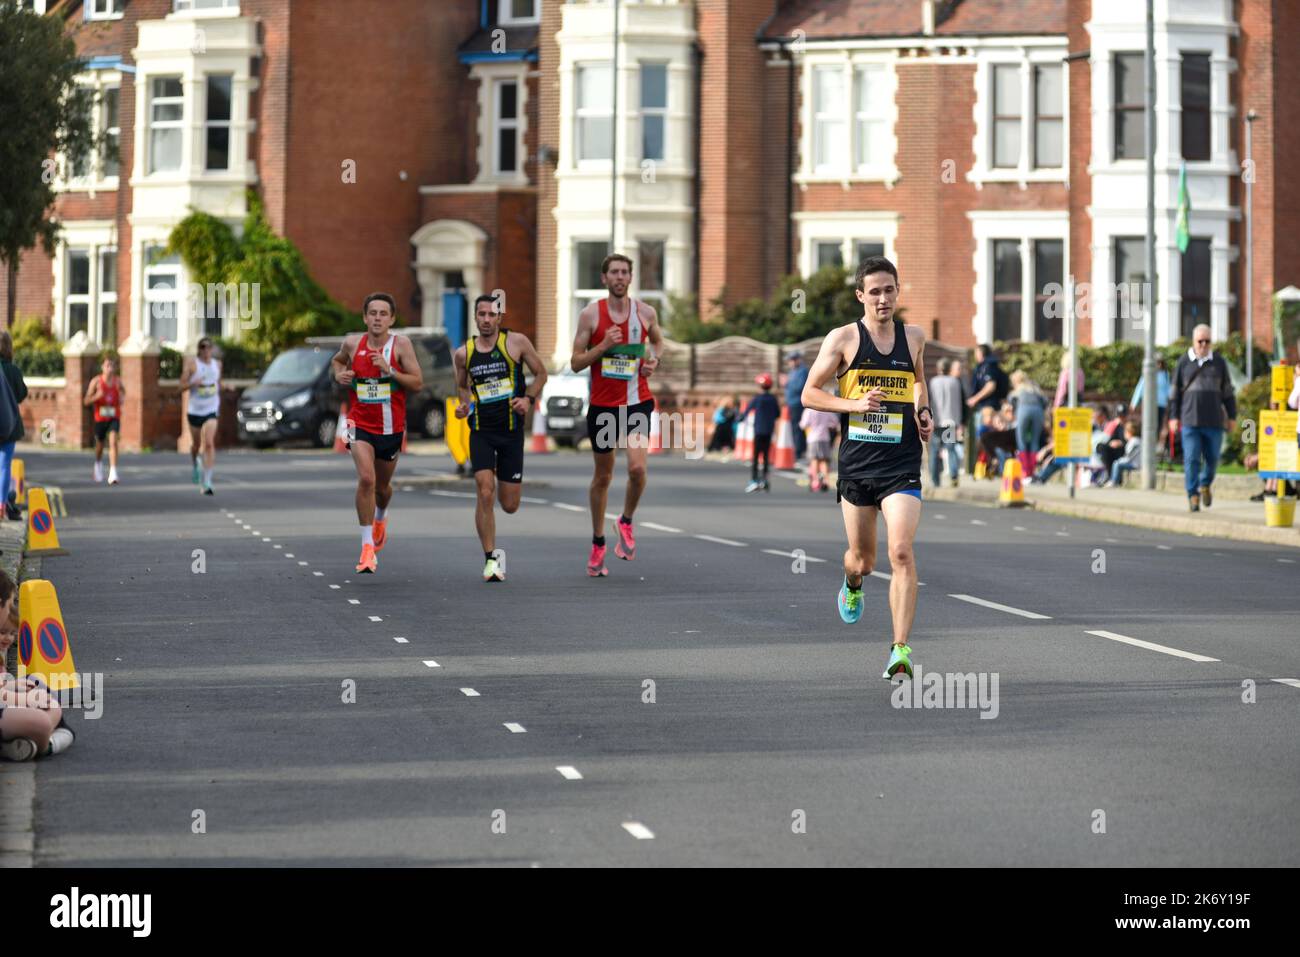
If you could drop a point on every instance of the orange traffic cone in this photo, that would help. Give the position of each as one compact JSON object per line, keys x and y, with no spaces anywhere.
{"x":341,"y":430}
{"x":783,"y":448}
{"x":656,"y":441}
{"x":745,"y":438}
{"x":540,"y":445}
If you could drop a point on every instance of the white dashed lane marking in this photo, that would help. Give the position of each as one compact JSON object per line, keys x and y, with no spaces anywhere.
{"x":430,"y":663}
{"x":534,"y":501}
{"x":1151,"y":646}
{"x":336,"y":586}
{"x":722,"y":541}
{"x":514,"y":727}
{"x":351,"y":601}
{"x":638,"y":830}
{"x":375,"y":618}
{"x":999,"y":607}
{"x":567,"y":507}
{"x":807,"y":558}
{"x":400,"y":640}
{"x":886,"y":576}
{"x":569,"y":772}
{"x":1293,"y":682}
{"x":319,"y":574}
{"x":661,"y":528}
{"x":470,"y":693}
{"x":1165,"y":548}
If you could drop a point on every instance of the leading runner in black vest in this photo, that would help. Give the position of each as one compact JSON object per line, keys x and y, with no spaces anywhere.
{"x":884,"y":417}
{"x":490,"y":384}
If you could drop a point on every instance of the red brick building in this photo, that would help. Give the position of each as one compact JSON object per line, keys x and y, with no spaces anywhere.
{"x":992,"y":148}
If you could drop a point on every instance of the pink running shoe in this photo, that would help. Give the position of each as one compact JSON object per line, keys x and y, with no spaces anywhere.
{"x":625,"y":548}
{"x":596,"y":563}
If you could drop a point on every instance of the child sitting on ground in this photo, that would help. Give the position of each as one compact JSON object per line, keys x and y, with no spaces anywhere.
{"x":31,"y":721}
{"x":1131,"y":460}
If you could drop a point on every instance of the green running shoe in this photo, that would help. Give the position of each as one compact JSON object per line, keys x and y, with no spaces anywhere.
{"x":492,"y":571}
{"x":850,"y":602}
{"x":198,"y":474}
{"x":900,"y":659}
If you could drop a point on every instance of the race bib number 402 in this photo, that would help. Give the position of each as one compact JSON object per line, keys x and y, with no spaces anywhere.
{"x":374,"y":390}
{"x":876,"y":427}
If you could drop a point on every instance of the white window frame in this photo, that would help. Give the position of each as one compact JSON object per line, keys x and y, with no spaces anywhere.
{"x":148,"y":297}
{"x":1024,"y":172}
{"x":660,"y":111}
{"x":506,"y":19}
{"x":70,"y":298}
{"x":584,"y":296}
{"x":1025,"y":227}
{"x":501,"y":124}
{"x":846,"y":169}
{"x":105,"y":297}
{"x":152,"y":125}
{"x":187,"y":8}
{"x":227,"y":124}
{"x":489,"y":77}
{"x":580,"y":113}
{"x":861,"y":116}
{"x":105,"y":9}
{"x":846,"y":228}
{"x":98,"y":82}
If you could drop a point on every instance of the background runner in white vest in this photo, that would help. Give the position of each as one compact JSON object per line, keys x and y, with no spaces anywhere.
{"x":201,"y":380}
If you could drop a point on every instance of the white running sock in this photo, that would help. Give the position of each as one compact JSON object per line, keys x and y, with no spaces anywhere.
{"x":207,"y":476}
{"x":367,"y":534}
{"x":380,"y":513}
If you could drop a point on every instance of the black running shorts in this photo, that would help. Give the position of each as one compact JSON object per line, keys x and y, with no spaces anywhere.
{"x":501,"y":452}
{"x":869,"y":493}
{"x":608,"y":426}
{"x":386,"y":446}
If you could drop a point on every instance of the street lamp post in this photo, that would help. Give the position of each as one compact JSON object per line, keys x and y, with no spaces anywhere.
{"x":1149,"y":408}
{"x":1250,"y":251}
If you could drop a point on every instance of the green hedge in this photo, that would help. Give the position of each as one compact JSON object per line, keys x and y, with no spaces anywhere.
{"x":42,"y":360}
{"x":169,"y":365}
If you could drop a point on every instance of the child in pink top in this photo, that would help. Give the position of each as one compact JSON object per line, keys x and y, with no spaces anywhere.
{"x":818,"y":425}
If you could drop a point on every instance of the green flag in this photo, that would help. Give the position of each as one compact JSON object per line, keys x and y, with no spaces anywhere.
{"x":1182,"y":234}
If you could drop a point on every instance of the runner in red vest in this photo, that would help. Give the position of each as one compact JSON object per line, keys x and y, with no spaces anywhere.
{"x":627,"y":341}
{"x":104,"y":395}
{"x":375,"y":366}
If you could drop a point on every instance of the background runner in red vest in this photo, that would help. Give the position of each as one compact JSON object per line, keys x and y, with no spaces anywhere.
{"x":104,"y":395}
{"x":627,"y":342}
{"x":379,"y":368}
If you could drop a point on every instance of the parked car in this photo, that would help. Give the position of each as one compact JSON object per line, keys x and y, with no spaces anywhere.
{"x":297,"y":396}
{"x":565,"y":399}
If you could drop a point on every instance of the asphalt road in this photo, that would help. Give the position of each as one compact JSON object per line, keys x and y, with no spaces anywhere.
{"x":224,"y":689}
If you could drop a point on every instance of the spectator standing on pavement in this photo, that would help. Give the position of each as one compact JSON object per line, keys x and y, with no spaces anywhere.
{"x":795,"y":379}
{"x":989,"y":384}
{"x":1293,"y":402}
{"x":819,"y":425}
{"x":1200,"y":399}
{"x":1162,"y":396}
{"x":946,"y":401}
{"x":1031,"y":407}
{"x":766,"y":411}
{"x":1063,"y":382}
{"x":14,"y":377}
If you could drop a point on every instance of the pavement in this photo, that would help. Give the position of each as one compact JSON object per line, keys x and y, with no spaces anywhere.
{"x":703,"y":705}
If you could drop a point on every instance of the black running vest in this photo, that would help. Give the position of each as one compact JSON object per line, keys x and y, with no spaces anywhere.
{"x":882,"y":444}
{"x":494,"y":379}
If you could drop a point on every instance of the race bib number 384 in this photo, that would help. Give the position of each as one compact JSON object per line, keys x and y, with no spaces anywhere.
{"x":374,"y":390}
{"x":876,"y":427}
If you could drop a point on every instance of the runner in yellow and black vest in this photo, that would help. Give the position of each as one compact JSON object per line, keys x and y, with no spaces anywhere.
{"x":490,"y":383}
{"x":884,"y":418}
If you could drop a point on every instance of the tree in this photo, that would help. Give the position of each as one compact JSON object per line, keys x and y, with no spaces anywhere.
{"x":45,"y":113}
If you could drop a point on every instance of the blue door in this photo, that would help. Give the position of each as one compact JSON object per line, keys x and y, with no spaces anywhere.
{"x":453,"y":316}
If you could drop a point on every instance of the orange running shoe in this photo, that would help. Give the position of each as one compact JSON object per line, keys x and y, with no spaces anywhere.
{"x":381,"y":533}
{"x":369,"y":564}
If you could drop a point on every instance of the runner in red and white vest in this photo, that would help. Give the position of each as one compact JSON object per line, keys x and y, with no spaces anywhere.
{"x":620,"y":339}
{"x":380,"y":368}
{"x":104,"y":395}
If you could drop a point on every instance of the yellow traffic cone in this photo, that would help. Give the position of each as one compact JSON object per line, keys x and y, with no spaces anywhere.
{"x":43,"y":648}
{"x":1013,"y":486}
{"x":18,"y":482}
{"x":42,"y":539}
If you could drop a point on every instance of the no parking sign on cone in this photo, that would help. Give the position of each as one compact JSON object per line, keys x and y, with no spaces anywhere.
{"x":42,"y":539}
{"x":43,"y":648}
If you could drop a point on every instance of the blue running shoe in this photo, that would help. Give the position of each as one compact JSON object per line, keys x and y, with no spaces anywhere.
{"x":900,"y":659}
{"x":850,"y":602}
